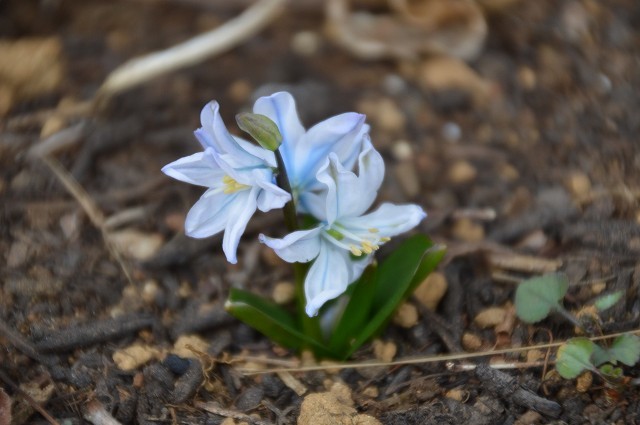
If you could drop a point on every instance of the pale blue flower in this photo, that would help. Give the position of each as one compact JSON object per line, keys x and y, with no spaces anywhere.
{"x":344,"y":230}
{"x":305,"y":151}
{"x":240,"y":179}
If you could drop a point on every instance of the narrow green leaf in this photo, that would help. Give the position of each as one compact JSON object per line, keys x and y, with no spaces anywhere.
{"x":272,"y":321}
{"x":394,"y":278}
{"x":607,"y":301}
{"x":536,"y":297}
{"x":356,"y":312}
{"x":574,"y":357}
{"x":626,"y":349}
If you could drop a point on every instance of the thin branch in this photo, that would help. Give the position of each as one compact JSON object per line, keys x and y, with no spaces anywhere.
{"x":193,"y":51}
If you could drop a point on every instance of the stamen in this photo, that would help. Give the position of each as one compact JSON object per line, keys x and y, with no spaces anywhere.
{"x":339,"y":236}
{"x":231,"y":185}
{"x":355,"y":251}
{"x":385,"y":239}
{"x":367,"y":247}
{"x":373,"y":230}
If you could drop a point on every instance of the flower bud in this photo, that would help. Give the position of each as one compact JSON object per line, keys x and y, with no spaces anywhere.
{"x":261,"y":128}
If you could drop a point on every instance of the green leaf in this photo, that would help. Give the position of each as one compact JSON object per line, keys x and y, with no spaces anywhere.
{"x":356,"y":312}
{"x":607,"y":301}
{"x":272,"y":321}
{"x":405,"y":268}
{"x":600,"y":355}
{"x":574,"y":357}
{"x":626,"y":349}
{"x":611,"y":371}
{"x":537,"y":297}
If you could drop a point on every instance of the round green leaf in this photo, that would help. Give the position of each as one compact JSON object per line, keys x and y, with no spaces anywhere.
{"x":574,"y":357}
{"x":607,"y":301}
{"x":536,"y":297}
{"x":626,"y":349}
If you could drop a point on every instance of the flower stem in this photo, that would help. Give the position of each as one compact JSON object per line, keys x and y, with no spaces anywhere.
{"x":290,"y":218}
{"x":310,"y":325}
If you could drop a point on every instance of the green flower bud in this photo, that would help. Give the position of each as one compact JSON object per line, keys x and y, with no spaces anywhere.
{"x":261,"y":128}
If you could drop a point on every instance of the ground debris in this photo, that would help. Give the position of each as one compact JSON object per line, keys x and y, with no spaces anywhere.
{"x":506,"y":387}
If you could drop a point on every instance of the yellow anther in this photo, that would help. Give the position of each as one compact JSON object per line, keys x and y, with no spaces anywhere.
{"x":367,"y":247}
{"x":373,"y":230}
{"x":231,"y":185}
{"x":355,"y":251}
{"x":385,"y":239}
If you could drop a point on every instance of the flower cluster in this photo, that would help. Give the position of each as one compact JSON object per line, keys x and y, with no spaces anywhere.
{"x":321,"y":165}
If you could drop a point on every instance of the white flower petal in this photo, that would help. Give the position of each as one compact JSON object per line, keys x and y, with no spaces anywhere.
{"x":265,"y":155}
{"x":327,"y":278}
{"x":314,"y":203}
{"x":347,"y":194}
{"x":338,"y":135}
{"x":242,"y":209}
{"x":281,"y":109}
{"x":209,"y":215}
{"x":389,"y":219}
{"x":271,"y":196}
{"x":297,"y":247}
{"x":199,"y":169}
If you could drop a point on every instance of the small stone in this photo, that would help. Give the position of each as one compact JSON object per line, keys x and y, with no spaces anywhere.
{"x":175,"y":221}
{"x":527,"y":78}
{"x":342,"y":392}
{"x":406,"y":316}
{"x":283,"y":293}
{"x":135,"y":244}
{"x":490,"y":317}
{"x":384,"y":351}
{"x":250,"y":398}
{"x":462,"y":172}
{"x":394,"y":84}
{"x":451,"y":132}
{"x":509,"y":173}
{"x":407,"y":176}
{"x":444,"y":73}
{"x":467,"y":230}
{"x":326,"y":409}
{"x":530,"y":417}
{"x":457,"y":394}
{"x":471,"y":342}
{"x":239,"y":91}
{"x":384,"y":112}
{"x":134,"y":356}
{"x":18,"y":254}
{"x":188,"y":346}
{"x":306,"y":43}
{"x":578,"y":184}
{"x":402,"y":150}
{"x":534,"y":356}
{"x":371,"y":391}
{"x":584,"y":381}
{"x":430,"y":292}
{"x":150,"y":291}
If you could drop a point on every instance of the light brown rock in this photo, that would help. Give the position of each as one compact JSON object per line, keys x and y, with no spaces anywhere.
{"x":134,"y":356}
{"x":406,"y":316}
{"x":490,"y":317}
{"x":283,"y":293}
{"x":467,"y":230}
{"x":462,"y":172}
{"x":327,"y":409}
{"x":136,"y":244}
{"x":384,"y":351}
{"x":431,"y":290}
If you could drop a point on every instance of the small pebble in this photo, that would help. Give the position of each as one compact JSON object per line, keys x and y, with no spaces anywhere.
{"x":188,"y":346}
{"x":430,"y":292}
{"x":527,"y":78}
{"x":402,"y":150}
{"x":467,"y":230}
{"x":408,"y":179}
{"x":578,"y":184}
{"x":406,"y":316}
{"x":490,"y":317}
{"x":134,"y":356}
{"x":457,"y":394}
{"x":150,"y":291}
{"x":135,"y":244}
{"x":384,"y":351}
{"x":451,"y":132}
{"x":471,"y":342}
{"x":306,"y":43}
{"x":239,"y":91}
{"x":394,"y":84}
{"x":283,"y":293}
{"x":584,"y":381}
{"x":462,"y":172}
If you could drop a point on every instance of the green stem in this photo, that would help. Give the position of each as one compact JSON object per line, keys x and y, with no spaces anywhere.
{"x":310,"y":325}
